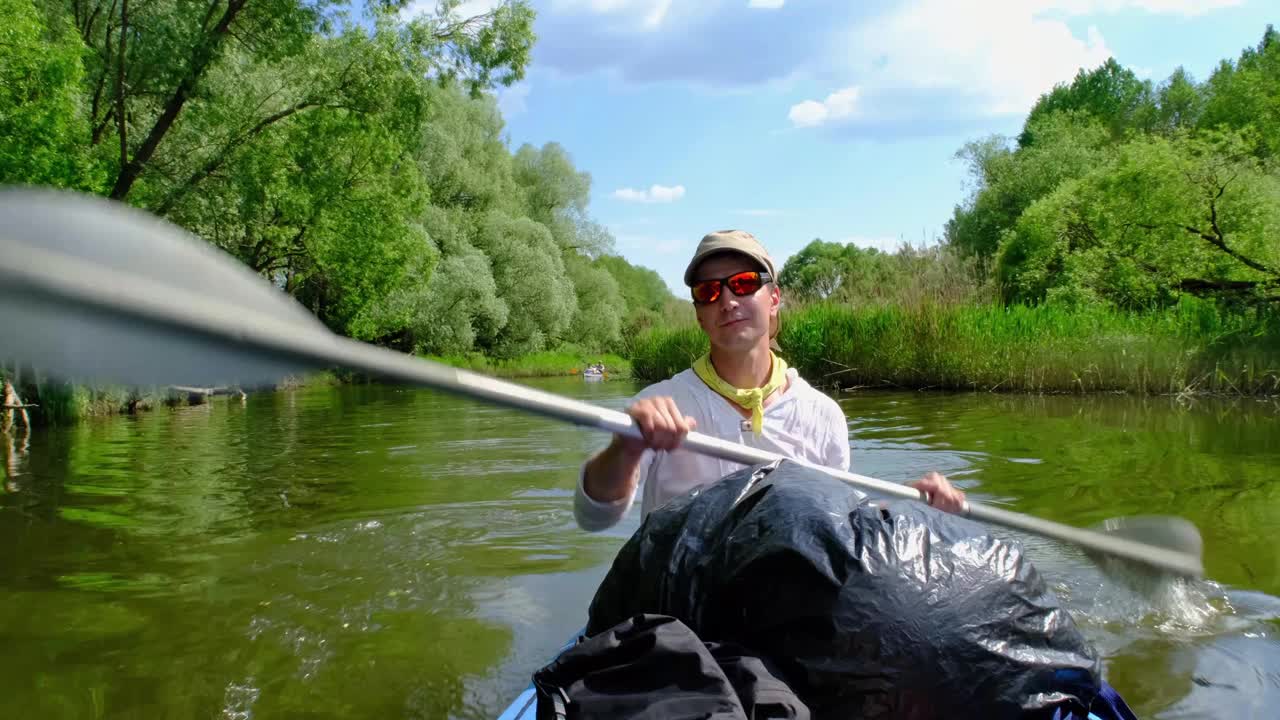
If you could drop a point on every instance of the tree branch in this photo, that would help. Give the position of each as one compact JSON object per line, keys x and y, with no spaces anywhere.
{"x":216,"y":160}
{"x":1219,"y":241}
{"x":1216,"y":239}
{"x":100,"y":125}
{"x":96,"y":136}
{"x":202,"y":57}
{"x":122,"y":127}
{"x":86,"y":28}
{"x":1202,"y":286}
{"x":466,"y":27}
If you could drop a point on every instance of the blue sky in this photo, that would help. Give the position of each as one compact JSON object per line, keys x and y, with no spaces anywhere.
{"x":838,"y":119}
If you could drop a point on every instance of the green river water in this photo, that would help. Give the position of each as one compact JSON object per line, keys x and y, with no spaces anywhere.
{"x":381,"y":552}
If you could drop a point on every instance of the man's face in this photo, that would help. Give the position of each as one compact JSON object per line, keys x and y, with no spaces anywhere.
{"x":735,"y":322}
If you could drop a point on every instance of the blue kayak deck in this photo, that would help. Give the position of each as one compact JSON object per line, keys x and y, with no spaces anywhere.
{"x":525,"y":706}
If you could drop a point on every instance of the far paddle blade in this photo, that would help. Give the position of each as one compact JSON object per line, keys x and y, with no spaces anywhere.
{"x":1158,"y":545}
{"x":1170,"y":534}
{"x":79,"y":273}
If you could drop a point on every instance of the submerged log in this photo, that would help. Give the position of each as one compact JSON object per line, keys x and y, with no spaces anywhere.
{"x":198,"y":395}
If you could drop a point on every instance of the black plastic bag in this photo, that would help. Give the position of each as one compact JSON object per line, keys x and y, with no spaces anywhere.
{"x":885,"y":609}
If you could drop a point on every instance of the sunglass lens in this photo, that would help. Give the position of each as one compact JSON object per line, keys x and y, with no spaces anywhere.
{"x":745,"y":283}
{"x":707,"y":291}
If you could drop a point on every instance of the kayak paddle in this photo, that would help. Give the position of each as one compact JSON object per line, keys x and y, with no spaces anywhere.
{"x":92,"y":289}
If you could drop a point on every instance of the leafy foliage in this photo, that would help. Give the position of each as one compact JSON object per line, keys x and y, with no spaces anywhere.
{"x":1121,"y":192}
{"x":836,"y":272}
{"x":1192,"y":214}
{"x":43,"y":127}
{"x":348,"y":152}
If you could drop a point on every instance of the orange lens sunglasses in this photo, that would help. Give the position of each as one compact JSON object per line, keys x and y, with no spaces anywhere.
{"x":741,"y":284}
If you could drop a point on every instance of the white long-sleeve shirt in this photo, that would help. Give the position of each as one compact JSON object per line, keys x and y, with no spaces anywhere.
{"x":800,"y":423}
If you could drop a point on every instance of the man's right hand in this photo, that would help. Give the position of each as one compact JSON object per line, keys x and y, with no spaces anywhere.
{"x":612,"y":474}
{"x":661,"y":424}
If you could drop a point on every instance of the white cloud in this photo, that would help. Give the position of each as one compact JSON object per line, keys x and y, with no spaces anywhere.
{"x":716,"y":43}
{"x":511,"y":100}
{"x":937,"y":58}
{"x":999,"y":55}
{"x":918,"y":66}
{"x":839,"y":105}
{"x":655,"y":194}
{"x":646,"y":14}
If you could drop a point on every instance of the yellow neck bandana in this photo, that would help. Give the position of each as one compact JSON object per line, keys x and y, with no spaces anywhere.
{"x":752,"y":398}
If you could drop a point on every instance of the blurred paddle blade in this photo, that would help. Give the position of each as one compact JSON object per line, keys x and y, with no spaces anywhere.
{"x":1163,"y":531}
{"x":78,"y":274}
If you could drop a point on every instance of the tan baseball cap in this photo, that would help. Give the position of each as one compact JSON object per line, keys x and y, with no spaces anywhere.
{"x":739,"y":241}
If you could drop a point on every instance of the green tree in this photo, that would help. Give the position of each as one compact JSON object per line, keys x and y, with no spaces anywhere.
{"x":1247,"y":94}
{"x":326,"y":203}
{"x":1111,"y":93}
{"x":1006,"y":181}
{"x":439,"y":311}
{"x":462,"y":156}
{"x":43,"y":127}
{"x":556,"y":195}
{"x":647,"y":300}
{"x":1181,"y":102}
{"x":641,"y":288}
{"x":1192,"y":215}
{"x":817,"y":271}
{"x":599,"y":311}
{"x":152,"y":64}
{"x":531,"y":280}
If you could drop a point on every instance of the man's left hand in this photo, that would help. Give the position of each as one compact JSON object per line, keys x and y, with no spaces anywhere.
{"x":942,"y":494}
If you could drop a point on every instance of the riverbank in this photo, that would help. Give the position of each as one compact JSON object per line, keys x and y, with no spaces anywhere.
{"x":1192,"y":348}
{"x":61,"y":403}
{"x":64,"y":403}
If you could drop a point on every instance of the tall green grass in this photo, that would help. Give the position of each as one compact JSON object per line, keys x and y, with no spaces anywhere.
{"x":1189,"y":348}
{"x":64,"y":403}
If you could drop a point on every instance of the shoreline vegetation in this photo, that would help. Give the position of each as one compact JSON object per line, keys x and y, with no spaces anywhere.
{"x":1190,"y":349}
{"x":48,"y":402}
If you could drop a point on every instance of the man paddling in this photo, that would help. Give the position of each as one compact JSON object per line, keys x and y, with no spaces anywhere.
{"x":741,"y":391}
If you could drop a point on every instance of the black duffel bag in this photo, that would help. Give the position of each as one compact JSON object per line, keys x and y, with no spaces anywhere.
{"x":655,"y":667}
